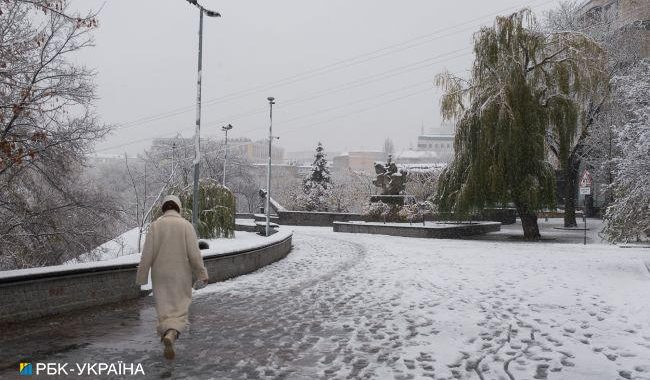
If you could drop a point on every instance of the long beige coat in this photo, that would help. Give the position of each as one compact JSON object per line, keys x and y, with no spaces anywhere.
{"x":172,"y":253}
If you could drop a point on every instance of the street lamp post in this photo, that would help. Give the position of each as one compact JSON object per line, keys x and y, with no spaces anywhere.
{"x":268,"y":171}
{"x":173,"y":157}
{"x":225,"y":128}
{"x":197,"y":133}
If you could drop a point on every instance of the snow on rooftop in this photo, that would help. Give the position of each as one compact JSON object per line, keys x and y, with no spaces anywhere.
{"x":406,"y":154}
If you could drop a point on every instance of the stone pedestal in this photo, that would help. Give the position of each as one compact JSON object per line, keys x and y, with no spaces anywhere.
{"x":398,"y":200}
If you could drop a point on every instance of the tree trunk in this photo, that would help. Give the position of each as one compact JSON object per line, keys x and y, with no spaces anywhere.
{"x":571,"y":174}
{"x":528,"y":222}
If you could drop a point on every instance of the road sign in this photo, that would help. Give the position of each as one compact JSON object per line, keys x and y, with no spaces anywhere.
{"x":586,"y":180}
{"x":585,"y":190}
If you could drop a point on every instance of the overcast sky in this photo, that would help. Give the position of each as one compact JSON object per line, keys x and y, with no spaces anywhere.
{"x":346,"y":73}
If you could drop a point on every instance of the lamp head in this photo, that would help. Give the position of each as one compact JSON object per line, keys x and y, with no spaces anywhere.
{"x":210,"y":13}
{"x":271,"y":99}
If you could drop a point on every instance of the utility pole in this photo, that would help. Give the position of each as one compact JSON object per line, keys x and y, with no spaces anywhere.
{"x":268,"y":172}
{"x":225,"y":128}
{"x":197,"y":133}
{"x":173,"y":156}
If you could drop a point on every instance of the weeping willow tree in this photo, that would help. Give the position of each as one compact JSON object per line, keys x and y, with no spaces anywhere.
{"x":523,"y":85}
{"x":216,"y":205}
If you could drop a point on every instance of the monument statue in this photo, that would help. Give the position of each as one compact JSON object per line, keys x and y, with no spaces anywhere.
{"x":391,"y":180}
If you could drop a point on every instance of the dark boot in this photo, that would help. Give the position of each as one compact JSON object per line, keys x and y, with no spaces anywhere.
{"x":168,"y":340}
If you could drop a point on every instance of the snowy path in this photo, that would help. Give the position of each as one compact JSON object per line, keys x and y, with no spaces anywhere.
{"x":367,"y":306}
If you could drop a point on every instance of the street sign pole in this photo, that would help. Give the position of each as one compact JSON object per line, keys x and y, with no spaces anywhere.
{"x":586,"y":184}
{"x":584,"y":219}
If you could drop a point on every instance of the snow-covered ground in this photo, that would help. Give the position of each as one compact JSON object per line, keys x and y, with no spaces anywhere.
{"x":385,"y":307}
{"x":380,"y":307}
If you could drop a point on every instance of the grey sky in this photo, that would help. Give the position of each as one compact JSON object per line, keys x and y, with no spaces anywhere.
{"x":146,"y":57}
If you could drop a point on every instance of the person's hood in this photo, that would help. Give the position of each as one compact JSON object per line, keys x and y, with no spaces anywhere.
{"x":173,"y":198}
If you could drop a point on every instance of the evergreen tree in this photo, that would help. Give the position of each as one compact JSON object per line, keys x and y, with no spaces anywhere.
{"x":523,"y":81}
{"x":317,"y":186}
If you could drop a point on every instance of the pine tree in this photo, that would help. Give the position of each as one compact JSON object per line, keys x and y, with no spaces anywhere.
{"x":523,"y":81}
{"x":317,"y":186}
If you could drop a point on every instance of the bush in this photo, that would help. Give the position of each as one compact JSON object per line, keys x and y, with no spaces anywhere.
{"x":216,"y":206}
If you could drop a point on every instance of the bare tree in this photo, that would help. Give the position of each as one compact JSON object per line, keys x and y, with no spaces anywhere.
{"x":47,"y":125}
{"x":423,"y":183}
{"x":351,"y":191}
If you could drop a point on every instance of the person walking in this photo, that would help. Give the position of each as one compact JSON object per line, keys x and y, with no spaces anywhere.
{"x":171,"y":252}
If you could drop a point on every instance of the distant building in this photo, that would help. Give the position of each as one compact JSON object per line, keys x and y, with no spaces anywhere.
{"x":633,"y":15}
{"x":280,"y":173}
{"x":305,"y":157}
{"x":417,"y":157}
{"x":359,"y":161}
{"x":257,"y":152}
{"x":438,"y":143}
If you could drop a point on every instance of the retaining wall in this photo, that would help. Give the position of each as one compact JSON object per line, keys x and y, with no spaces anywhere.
{"x":222,"y":267}
{"x":321,"y":219}
{"x":41,"y":294}
{"x":32,"y":295}
{"x":501,"y":215}
{"x":418,"y":231}
{"x":326,"y":219}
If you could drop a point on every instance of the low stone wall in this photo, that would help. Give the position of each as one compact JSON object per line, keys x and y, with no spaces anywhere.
{"x":501,"y":215}
{"x":222,"y":267}
{"x":325,"y":219}
{"x":34,"y":295}
{"x":441,"y":231}
{"x":320,"y":219}
{"x":41,"y":294}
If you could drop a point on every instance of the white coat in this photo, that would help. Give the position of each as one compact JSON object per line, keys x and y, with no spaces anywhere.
{"x":172,"y":253}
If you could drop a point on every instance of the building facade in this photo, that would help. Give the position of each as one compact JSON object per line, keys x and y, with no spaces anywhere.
{"x":631,"y":15}
{"x":256,"y":152}
{"x":437,"y":141}
{"x":359,"y":161}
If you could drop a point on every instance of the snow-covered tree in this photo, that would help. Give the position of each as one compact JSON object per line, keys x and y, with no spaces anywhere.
{"x":46,"y":98}
{"x":317,"y":186}
{"x":422,"y":183}
{"x":350,"y":191}
{"x":586,"y":137}
{"x":628,"y":217}
{"x":49,"y":213}
{"x":523,"y":80}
